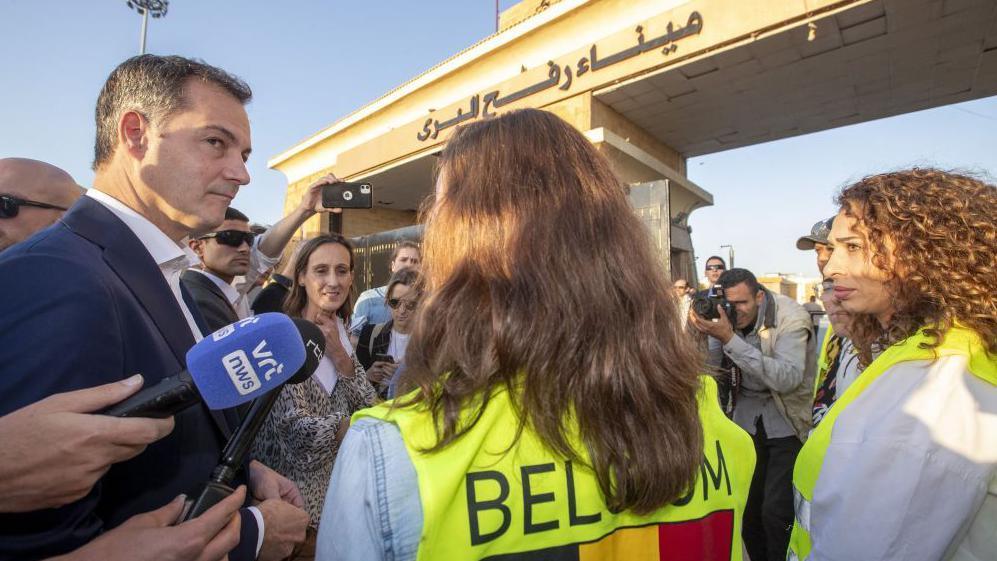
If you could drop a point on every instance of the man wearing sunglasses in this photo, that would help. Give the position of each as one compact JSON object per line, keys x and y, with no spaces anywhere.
{"x":225,"y":253}
{"x":715,"y":266}
{"x":33,"y":195}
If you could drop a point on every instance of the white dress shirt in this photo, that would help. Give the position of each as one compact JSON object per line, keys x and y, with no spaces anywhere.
{"x":172,"y":258}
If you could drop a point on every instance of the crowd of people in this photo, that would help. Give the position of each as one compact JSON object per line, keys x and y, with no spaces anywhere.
{"x":529,"y":384}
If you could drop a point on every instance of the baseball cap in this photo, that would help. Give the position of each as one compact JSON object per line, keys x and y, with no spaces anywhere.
{"x":818,"y":234}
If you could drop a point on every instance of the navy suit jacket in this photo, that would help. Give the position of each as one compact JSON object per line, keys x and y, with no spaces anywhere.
{"x":85,"y":304}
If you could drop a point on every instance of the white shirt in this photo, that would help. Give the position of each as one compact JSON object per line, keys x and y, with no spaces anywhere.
{"x":326,"y":372}
{"x":397,"y":346}
{"x":173,"y":259}
{"x":911,"y":470}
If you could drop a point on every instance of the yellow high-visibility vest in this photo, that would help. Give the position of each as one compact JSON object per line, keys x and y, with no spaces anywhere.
{"x":495,"y":492}
{"x":822,"y":361}
{"x":806,"y":472}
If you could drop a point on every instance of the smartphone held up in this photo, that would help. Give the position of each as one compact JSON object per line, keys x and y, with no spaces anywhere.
{"x":347,"y":194}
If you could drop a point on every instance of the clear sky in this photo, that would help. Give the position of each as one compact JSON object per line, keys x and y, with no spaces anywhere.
{"x":311,"y":62}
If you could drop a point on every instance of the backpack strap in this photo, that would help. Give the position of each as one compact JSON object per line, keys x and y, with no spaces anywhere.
{"x":375,"y":332}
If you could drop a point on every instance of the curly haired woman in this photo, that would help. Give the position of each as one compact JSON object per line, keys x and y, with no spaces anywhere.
{"x":904,"y":465}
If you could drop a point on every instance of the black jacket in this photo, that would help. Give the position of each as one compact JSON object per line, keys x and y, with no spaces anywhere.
{"x":271,"y":297}
{"x":369,"y":345}
{"x":214,"y":306}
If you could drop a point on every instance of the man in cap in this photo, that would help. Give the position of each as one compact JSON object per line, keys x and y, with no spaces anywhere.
{"x":837,"y":362}
{"x":817,"y":241}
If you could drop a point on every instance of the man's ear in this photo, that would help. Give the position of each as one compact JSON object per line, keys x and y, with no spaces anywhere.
{"x":133,"y":133}
{"x":759,"y":296}
{"x":197,"y":246}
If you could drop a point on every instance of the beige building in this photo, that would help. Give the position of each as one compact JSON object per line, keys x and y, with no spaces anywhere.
{"x":654,"y":82}
{"x":794,"y":286}
{"x":779,"y":284}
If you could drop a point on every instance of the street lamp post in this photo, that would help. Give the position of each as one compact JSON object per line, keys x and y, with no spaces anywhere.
{"x":730,"y":255}
{"x":145,"y":8}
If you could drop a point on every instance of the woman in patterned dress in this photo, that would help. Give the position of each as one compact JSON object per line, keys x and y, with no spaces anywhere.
{"x":301,"y":436}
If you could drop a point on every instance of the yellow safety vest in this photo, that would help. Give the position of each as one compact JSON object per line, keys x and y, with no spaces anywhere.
{"x":822,"y":361}
{"x":490,"y":493}
{"x":806,"y":472}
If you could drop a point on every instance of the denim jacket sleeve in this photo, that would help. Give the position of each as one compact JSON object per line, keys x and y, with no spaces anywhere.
{"x":360,"y":311}
{"x":372,"y":509}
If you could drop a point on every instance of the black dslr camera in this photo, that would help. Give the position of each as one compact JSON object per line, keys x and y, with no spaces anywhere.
{"x":706,"y":306}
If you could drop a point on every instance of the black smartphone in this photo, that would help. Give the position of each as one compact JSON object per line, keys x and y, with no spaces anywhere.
{"x":383,"y":358}
{"x":347,"y":194}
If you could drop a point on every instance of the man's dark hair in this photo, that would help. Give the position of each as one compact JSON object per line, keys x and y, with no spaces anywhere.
{"x":402,"y":245}
{"x":717,"y":257}
{"x":735,"y":276}
{"x":406,"y":275}
{"x":232,"y":214}
{"x":154,"y":86}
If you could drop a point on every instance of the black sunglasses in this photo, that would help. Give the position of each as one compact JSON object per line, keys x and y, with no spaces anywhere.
{"x":10,"y":205}
{"x":233,"y":238}
{"x":715,"y":267}
{"x":395,"y":302}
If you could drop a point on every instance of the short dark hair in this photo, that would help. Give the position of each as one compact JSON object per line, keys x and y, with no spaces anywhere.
{"x":155,"y":87}
{"x":231,"y":213}
{"x":402,"y":245}
{"x":735,"y":276}
{"x":718,"y":258}
{"x":406,"y":275}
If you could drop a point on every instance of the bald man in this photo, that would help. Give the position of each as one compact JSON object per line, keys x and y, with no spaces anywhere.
{"x":33,"y":195}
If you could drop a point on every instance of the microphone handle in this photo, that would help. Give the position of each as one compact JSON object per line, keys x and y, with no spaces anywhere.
{"x":237,"y":448}
{"x":165,"y":399}
{"x":234,"y":454}
{"x":212,"y":494}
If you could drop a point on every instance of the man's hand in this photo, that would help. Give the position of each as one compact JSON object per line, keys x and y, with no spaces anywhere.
{"x":380,"y":371}
{"x":267,"y":485}
{"x":54,"y":451}
{"x":273,"y":242}
{"x":151,"y":535}
{"x":284,"y":528}
{"x":311,"y":200}
{"x":719,"y":329}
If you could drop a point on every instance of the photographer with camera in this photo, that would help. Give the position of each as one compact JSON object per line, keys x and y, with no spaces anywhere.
{"x":766,"y":344}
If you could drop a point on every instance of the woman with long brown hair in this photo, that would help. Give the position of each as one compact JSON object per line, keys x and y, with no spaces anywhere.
{"x":557,"y":404}
{"x":302,"y":435}
{"x":904,"y":463}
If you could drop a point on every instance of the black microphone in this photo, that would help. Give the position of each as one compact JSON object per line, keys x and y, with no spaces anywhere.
{"x":237,"y":449}
{"x":232,"y":366}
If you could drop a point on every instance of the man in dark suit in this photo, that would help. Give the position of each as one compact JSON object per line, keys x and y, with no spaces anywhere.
{"x":96,"y":298}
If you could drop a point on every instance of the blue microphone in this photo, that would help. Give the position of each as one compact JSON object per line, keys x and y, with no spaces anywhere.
{"x":236,"y":450}
{"x":232,"y":366}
